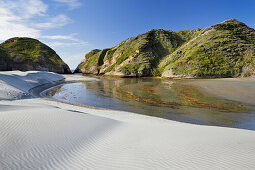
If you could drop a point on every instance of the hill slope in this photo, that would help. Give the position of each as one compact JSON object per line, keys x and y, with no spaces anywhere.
{"x":222,"y":50}
{"x":4,"y":59}
{"x":30,"y":54}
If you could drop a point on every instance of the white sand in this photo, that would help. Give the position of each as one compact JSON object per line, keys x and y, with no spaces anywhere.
{"x":78,"y":77}
{"x":16,"y":84}
{"x":42,"y":134}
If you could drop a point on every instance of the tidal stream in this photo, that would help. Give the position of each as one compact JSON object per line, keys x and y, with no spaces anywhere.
{"x":169,"y":99}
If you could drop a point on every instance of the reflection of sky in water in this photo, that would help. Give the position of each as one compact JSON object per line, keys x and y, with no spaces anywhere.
{"x":160,"y":98}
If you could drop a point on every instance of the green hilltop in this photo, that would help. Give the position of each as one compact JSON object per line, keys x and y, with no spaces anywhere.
{"x":226,"y":49}
{"x":21,"y":53}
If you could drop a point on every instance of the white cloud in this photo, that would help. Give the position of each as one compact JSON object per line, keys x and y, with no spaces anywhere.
{"x":9,"y":30}
{"x":66,"y":44}
{"x":30,"y":8}
{"x":54,"y":22}
{"x":61,"y":37}
{"x":68,"y":40}
{"x":20,"y":18}
{"x":14,"y":16}
{"x":72,"y":4}
{"x":17,"y":19}
{"x":25,"y":8}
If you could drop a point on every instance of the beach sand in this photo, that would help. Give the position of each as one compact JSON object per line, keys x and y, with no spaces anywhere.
{"x":42,"y":134}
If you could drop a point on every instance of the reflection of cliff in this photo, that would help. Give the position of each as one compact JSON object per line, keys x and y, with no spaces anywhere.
{"x":53,"y":91}
{"x":160,"y":93}
{"x":190,"y":96}
{"x":161,"y":98}
{"x":101,"y":88}
{"x":163,"y":94}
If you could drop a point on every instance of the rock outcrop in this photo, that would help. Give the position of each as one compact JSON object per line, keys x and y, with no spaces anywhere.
{"x":226,"y":49}
{"x":222,"y":50}
{"x":27,"y":54}
{"x":4,"y":59}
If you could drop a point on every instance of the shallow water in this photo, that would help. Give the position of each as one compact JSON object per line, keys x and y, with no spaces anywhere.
{"x":169,"y":99}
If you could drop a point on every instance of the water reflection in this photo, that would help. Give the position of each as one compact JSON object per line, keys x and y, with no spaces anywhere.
{"x":168,"y":99}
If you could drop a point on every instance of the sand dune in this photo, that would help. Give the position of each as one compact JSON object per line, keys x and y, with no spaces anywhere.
{"x":43,"y":134}
{"x":16,"y":84}
{"x":65,"y":137}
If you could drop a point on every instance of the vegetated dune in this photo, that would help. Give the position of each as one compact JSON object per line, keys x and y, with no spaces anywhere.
{"x":43,"y":134}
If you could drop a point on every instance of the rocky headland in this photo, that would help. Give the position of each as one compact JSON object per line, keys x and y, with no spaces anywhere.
{"x":226,"y":49}
{"x":25,"y":54}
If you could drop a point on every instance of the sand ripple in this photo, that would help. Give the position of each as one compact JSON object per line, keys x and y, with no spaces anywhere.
{"x":54,"y":138}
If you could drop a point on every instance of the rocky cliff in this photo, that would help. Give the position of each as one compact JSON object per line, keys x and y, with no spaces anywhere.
{"x":4,"y":59}
{"x":226,"y":49}
{"x":30,"y":54}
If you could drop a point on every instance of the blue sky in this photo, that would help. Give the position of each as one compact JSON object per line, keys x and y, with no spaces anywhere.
{"x":74,"y":27}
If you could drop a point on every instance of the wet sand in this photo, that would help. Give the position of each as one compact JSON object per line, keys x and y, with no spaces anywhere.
{"x":177,"y":100}
{"x":238,"y":89}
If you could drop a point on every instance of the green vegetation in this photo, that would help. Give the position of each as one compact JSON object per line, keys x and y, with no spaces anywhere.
{"x":23,"y":49}
{"x":131,"y":68}
{"x":4,"y":54}
{"x":141,"y":54}
{"x":31,"y":48}
{"x":222,"y":50}
{"x":4,"y":60}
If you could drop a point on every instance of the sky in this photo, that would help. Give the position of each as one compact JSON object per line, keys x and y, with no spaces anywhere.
{"x":74,"y":27}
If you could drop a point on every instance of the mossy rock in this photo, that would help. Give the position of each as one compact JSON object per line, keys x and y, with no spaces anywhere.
{"x":4,"y":60}
{"x":222,"y":50}
{"x":226,"y":49}
{"x":30,"y":54}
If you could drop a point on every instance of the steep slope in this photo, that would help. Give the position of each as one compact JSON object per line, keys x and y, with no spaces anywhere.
{"x":4,"y":59}
{"x":222,"y":50}
{"x":30,"y":54}
{"x":136,"y":56}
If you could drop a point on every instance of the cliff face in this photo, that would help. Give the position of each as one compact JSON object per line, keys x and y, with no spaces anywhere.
{"x":4,"y":59}
{"x":136,"y":56}
{"x":29,"y":54}
{"x":222,"y":50}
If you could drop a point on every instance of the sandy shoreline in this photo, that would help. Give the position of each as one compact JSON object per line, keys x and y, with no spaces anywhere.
{"x":228,"y":88}
{"x":43,"y":134}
